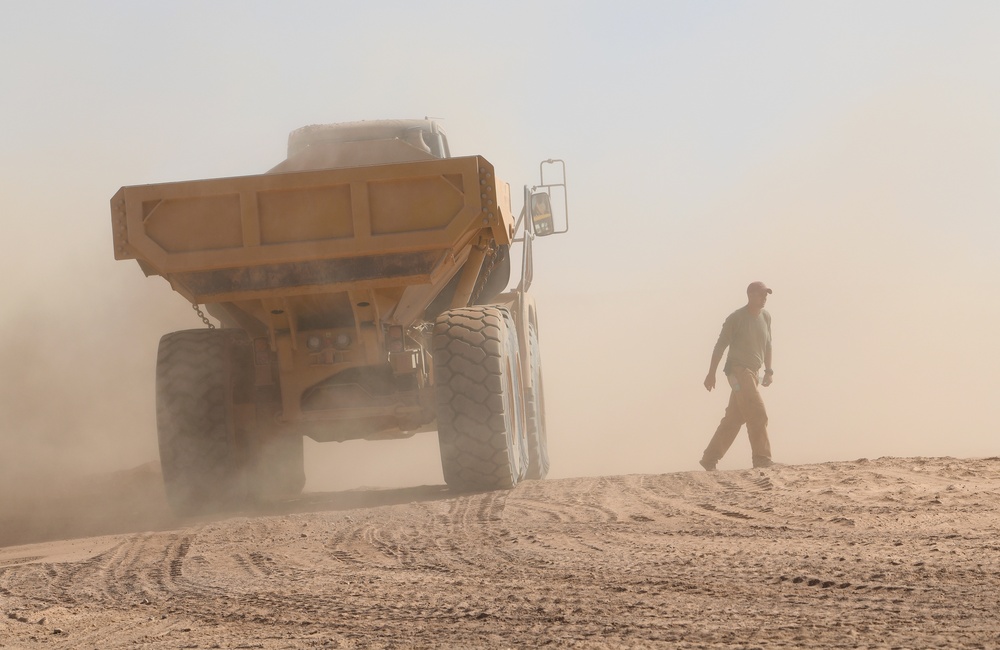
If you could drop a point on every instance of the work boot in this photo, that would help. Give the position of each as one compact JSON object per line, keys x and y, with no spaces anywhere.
{"x":708,"y":465}
{"x":760,"y":463}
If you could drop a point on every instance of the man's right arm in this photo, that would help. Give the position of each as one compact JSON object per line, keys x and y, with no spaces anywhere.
{"x":714,"y":368}
{"x":725,"y":338}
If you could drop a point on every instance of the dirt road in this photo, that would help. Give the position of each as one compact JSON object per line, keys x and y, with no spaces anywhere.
{"x":886,"y":553}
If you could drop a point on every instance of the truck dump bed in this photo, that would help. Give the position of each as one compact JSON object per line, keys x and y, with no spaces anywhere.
{"x":270,"y":236}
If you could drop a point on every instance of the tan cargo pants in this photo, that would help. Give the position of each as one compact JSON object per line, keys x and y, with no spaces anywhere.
{"x":745,"y":407}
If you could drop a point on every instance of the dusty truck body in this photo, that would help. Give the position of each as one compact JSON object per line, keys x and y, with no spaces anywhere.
{"x":361,"y":291}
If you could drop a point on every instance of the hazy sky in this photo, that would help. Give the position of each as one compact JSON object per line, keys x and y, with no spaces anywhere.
{"x":846,"y":153}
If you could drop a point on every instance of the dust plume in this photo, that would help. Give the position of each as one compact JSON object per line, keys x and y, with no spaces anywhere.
{"x":876,"y":232}
{"x":77,"y":436}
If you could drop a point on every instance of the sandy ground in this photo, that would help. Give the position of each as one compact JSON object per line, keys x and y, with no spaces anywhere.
{"x":893,"y":553}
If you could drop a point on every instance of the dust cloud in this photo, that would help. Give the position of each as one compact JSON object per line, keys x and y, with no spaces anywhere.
{"x":877,"y":235}
{"x":77,"y":435}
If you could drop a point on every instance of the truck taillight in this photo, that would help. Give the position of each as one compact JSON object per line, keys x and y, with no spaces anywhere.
{"x":394,"y":338}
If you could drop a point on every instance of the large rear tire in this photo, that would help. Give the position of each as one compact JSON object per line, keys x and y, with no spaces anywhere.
{"x":201,"y":377}
{"x":534,"y":408}
{"x":480,"y":404}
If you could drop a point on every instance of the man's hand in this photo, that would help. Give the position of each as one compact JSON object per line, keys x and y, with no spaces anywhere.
{"x":768,"y":378}
{"x":710,"y":381}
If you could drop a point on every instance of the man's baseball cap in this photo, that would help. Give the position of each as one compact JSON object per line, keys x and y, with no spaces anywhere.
{"x":758,"y":286}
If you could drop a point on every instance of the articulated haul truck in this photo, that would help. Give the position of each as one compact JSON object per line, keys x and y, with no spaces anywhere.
{"x":364,"y":290}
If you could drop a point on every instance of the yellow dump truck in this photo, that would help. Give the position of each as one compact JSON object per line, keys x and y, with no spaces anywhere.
{"x":361,"y":287}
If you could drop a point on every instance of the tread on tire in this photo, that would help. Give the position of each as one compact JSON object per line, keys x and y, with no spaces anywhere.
{"x":480,"y":404}
{"x":200,"y":376}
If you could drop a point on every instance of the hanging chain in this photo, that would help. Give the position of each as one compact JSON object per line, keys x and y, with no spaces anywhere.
{"x":202,"y":316}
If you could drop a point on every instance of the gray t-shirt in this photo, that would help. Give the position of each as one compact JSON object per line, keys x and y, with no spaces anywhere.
{"x":747,"y":336}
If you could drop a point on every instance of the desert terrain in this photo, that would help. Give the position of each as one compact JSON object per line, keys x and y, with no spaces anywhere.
{"x":891,"y":552}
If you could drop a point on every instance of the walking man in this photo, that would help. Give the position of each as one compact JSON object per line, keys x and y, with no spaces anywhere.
{"x":747,"y":334}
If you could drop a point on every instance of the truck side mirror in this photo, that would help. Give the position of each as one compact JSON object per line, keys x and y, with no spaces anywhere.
{"x":541,"y":214}
{"x":548,"y":200}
